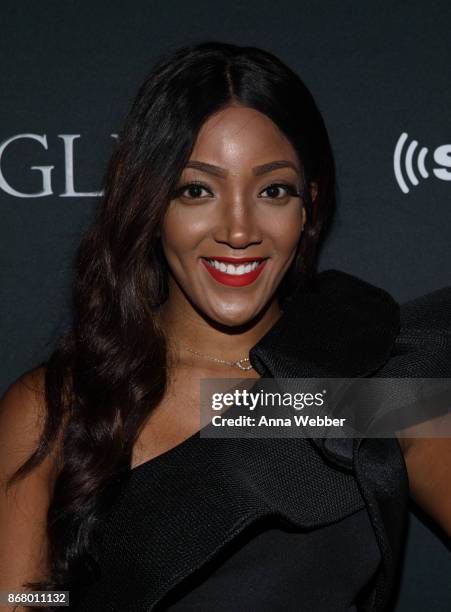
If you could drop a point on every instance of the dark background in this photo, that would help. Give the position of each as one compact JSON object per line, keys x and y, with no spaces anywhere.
{"x":376,"y":69}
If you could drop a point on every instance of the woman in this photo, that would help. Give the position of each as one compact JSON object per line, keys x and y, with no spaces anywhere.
{"x":201,"y":263}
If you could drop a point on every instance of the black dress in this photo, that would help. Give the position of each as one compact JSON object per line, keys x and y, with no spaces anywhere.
{"x":237,"y":524}
{"x":275,"y":568}
{"x":279,"y":523}
{"x":274,"y":564}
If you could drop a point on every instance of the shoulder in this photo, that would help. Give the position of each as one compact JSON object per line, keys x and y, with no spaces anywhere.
{"x":425,"y":332}
{"x":27,"y":390}
{"x":24,"y":501}
{"x":23,"y":413}
{"x":428,"y":311}
{"x":423,"y":350}
{"x":23,"y":403}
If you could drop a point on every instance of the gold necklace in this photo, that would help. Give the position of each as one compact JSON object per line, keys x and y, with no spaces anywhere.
{"x":238,"y":363}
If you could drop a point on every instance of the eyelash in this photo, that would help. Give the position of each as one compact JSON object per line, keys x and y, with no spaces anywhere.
{"x":290,"y":189}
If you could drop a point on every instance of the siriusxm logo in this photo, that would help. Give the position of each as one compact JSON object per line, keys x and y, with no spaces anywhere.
{"x":408,"y":165}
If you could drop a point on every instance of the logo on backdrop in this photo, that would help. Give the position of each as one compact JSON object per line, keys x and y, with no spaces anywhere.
{"x":410,"y":167}
{"x":46,"y":171}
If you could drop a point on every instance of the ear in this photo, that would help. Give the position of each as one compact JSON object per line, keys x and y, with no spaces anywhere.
{"x":313,"y":188}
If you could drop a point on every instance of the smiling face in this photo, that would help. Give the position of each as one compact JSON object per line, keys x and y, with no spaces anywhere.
{"x":233,"y":202}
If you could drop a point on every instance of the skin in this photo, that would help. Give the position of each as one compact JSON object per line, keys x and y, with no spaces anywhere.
{"x":218,"y":320}
{"x":230,"y":219}
{"x":233,"y":216}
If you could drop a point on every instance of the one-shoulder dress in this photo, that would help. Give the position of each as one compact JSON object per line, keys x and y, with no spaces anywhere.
{"x":267,"y":524}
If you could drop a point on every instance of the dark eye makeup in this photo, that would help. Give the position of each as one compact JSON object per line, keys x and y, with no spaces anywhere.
{"x":290,"y":189}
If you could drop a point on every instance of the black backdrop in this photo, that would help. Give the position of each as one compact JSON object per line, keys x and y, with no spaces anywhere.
{"x":380,"y":72}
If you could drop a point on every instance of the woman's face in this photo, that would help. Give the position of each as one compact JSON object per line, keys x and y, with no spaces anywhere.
{"x":233,"y":202}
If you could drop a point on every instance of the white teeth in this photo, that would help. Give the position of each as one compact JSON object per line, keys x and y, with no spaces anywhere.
{"x":231,"y":268}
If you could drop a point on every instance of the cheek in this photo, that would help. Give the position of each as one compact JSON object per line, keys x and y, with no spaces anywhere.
{"x":287,"y":230}
{"x":180,"y":235}
{"x":171,"y":239}
{"x":172,"y":236}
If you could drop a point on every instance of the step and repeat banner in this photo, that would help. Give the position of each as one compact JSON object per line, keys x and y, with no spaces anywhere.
{"x":380,"y":73}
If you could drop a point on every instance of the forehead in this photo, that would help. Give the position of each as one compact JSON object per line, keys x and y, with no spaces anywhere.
{"x":239,"y":135}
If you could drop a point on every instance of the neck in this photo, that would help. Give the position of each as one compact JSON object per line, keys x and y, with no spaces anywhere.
{"x":185,"y":324}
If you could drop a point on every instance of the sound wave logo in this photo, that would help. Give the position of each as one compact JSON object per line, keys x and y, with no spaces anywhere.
{"x":403,"y":160}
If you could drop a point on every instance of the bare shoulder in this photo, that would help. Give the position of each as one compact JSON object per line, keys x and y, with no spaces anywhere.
{"x":24,"y":505}
{"x":26,"y":395}
{"x":22,"y":418}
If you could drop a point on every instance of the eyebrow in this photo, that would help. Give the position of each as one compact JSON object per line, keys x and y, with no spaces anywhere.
{"x":258,"y":170}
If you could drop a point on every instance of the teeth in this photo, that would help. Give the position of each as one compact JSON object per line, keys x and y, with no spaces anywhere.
{"x":231,"y":268}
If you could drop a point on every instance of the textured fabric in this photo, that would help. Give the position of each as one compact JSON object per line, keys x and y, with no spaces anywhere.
{"x":205,"y":495}
{"x":345,"y":327}
{"x":179,"y":510}
{"x":277,"y":569}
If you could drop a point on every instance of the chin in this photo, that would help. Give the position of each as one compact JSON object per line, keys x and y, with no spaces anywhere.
{"x":233,"y":319}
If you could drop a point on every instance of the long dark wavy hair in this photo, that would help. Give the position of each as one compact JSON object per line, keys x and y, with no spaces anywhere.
{"x":109,"y":371}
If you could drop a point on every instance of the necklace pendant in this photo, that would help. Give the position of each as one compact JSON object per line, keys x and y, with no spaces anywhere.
{"x":239,"y":364}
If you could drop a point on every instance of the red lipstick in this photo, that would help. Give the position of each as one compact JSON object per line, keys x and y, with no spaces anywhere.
{"x":235,"y":280}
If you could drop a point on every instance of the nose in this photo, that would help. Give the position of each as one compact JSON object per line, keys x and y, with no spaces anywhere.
{"x":238,"y":225}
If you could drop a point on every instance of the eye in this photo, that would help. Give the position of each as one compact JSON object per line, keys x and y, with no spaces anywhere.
{"x":194,"y":189}
{"x":274,"y":191}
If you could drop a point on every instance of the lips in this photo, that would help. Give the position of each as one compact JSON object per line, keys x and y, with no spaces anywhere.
{"x":233,"y":279}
